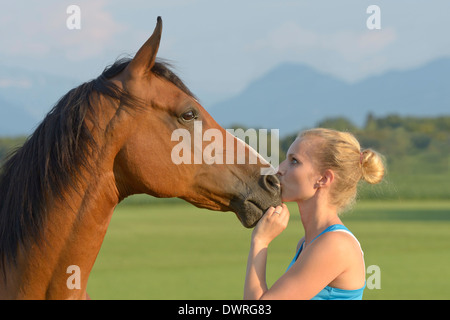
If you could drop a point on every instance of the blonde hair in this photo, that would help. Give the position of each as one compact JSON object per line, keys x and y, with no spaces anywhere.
{"x":341,"y":152}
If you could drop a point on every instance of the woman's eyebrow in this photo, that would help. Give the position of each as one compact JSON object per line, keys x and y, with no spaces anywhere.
{"x":290,"y":154}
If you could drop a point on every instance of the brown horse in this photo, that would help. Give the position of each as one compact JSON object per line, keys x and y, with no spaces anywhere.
{"x":103,"y":141}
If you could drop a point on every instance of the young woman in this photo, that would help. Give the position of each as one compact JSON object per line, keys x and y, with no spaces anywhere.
{"x":321,"y":173}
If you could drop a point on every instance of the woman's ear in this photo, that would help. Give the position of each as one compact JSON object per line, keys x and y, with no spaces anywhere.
{"x":326,"y":179}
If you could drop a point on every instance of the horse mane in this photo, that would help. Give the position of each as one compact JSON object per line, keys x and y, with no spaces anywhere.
{"x":52,"y":158}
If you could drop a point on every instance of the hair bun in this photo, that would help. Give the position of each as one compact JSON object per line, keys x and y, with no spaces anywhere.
{"x":372,"y":166}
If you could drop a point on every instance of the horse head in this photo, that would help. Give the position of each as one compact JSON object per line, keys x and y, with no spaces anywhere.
{"x":146,"y":164}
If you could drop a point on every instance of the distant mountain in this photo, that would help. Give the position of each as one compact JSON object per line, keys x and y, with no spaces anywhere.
{"x":26,"y":96}
{"x":292,"y":97}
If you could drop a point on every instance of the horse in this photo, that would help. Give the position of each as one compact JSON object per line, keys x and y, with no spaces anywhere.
{"x":103,"y":141}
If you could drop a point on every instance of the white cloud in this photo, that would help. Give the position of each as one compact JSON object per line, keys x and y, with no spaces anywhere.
{"x":292,"y":39}
{"x":288,"y":36}
{"x":98,"y":32}
{"x":41,"y":30}
{"x":15,"y":83}
{"x":346,"y":53}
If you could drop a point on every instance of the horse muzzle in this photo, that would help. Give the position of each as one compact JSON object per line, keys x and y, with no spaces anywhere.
{"x":250,"y":209}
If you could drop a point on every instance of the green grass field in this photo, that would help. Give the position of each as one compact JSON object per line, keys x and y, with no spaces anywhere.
{"x":172,"y":250}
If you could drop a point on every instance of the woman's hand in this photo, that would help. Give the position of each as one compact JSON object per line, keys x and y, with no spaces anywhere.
{"x":273,"y":222}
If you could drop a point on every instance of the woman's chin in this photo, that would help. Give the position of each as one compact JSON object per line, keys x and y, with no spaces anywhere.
{"x":285,"y":198}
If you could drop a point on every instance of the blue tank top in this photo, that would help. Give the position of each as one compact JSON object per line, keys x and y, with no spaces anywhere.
{"x":330,"y":293}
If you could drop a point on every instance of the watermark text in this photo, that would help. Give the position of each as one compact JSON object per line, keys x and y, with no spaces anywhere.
{"x":228,"y":149}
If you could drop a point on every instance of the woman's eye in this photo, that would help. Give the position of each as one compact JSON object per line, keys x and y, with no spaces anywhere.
{"x":294,"y":161}
{"x":188,"y":116}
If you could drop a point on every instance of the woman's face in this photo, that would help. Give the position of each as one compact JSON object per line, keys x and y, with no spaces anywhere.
{"x":297,"y":173}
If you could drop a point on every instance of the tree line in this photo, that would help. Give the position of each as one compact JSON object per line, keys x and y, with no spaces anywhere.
{"x":425,"y":139}
{"x":397,"y":137}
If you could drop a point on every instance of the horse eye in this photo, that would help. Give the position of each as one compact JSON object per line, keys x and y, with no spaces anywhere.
{"x":188,"y":116}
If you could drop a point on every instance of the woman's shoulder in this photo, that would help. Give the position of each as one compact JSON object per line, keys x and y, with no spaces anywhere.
{"x":343,"y":251}
{"x":338,"y":243}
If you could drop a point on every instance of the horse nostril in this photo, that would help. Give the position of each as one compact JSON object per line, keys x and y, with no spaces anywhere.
{"x":271,"y":182}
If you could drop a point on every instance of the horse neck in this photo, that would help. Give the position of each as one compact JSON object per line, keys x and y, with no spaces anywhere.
{"x":73,"y":236}
{"x":75,"y":229}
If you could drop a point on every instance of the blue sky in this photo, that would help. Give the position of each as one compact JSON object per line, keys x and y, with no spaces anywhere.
{"x":218,"y":47}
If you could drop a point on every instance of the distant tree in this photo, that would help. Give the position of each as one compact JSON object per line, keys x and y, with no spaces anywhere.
{"x":371,"y":123}
{"x":420,"y":141}
{"x":8,"y":145}
{"x":392,"y":121}
{"x":338,"y":123}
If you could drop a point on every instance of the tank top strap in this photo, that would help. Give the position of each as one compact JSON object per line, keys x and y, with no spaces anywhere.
{"x":339,"y":228}
{"x":334,"y":227}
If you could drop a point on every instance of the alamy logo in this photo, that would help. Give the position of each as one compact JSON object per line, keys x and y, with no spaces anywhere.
{"x":374,"y":279}
{"x":374,"y":20}
{"x":74,"y":280}
{"x":74,"y":20}
{"x":215,"y":153}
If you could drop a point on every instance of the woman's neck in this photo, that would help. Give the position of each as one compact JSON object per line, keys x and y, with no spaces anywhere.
{"x":316,"y":216}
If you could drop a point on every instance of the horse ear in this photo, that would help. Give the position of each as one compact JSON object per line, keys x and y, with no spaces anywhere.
{"x":144,"y":59}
